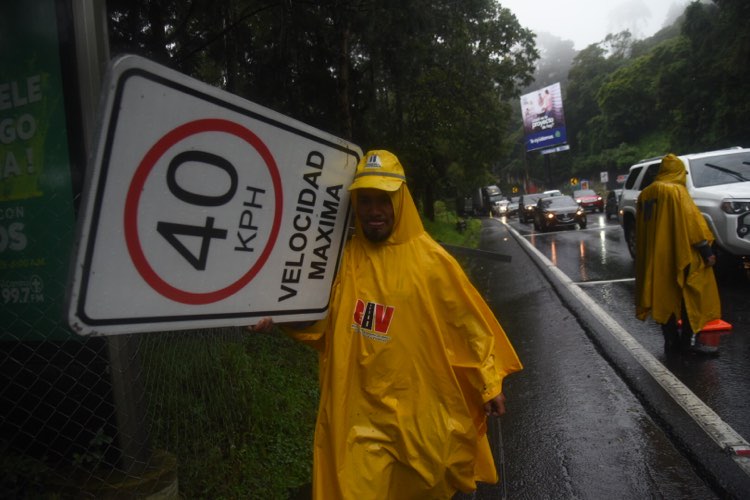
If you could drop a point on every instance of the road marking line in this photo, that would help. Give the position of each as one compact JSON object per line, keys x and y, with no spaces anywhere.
{"x":603,"y":282}
{"x":727,"y":438}
{"x":588,"y":228}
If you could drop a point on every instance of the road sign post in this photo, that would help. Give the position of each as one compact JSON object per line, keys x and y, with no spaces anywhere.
{"x":202,"y":209}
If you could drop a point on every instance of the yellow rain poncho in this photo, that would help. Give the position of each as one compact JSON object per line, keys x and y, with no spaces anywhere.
{"x":668,"y":225}
{"x":409,"y":353}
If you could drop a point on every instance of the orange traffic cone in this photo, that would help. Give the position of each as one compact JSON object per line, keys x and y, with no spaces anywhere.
{"x":707,"y":340}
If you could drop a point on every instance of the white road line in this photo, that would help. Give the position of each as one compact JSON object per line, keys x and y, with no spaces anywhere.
{"x":603,"y":282}
{"x":726,"y":437}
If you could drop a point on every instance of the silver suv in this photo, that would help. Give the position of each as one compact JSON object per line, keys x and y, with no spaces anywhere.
{"x":718,"y":181}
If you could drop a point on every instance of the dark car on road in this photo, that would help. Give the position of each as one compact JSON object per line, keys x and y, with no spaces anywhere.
{"x":527,"y":206}
{"x":611,"y":205}
{"x":558,"y":212}
{"x":513,"y":205}
{"x":589,"y":200}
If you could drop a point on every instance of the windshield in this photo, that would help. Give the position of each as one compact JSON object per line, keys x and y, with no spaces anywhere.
{"x":585,"y":192}
{"x":559,"y":202}
{"x":531,"y":199}
{"x":722,"y":169}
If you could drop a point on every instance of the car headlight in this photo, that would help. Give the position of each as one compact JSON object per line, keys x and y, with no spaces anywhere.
{"x":579,"y":211}
{"x":598,"y":198}
{"x":735,"y":206}
{"x":550,"y":216}
{"x":578,"y":201}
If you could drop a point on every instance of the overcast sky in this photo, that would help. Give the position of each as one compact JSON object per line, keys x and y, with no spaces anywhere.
{"x":589,"y":21}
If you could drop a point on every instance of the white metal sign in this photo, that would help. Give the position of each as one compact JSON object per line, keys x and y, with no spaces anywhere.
{"x":202,"y":209}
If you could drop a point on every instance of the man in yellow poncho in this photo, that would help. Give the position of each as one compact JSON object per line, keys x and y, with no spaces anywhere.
{"x":674,"y":275}
{"x":412,"y":360}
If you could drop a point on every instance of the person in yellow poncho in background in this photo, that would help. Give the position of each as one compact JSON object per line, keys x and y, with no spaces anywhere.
{"x":674,"y":275}
{"x":412,"y":360}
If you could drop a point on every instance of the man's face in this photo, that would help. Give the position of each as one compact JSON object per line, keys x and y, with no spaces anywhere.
{"x":375,"y":214}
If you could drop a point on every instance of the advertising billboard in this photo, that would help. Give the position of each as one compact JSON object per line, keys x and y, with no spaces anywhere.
{"x":543,"y":118}
{"x":36,"y":194}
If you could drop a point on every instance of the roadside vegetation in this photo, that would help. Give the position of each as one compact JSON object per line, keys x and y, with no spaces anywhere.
{"x":237,"y":410}
{"x":452,"y":229}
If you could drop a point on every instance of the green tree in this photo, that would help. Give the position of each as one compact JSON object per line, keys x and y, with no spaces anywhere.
{"x":714,"y":110}
{"x":441,"y":73}
{"x":627,"y":100}
{"x":428,"y":79}
{"x":590,"y":69}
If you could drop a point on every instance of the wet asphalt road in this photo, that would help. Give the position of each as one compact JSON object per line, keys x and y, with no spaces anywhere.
{"x":597,"y":260}
{"x":581,"y":420}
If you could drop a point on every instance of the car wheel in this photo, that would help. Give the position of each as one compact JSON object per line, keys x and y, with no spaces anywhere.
{"x":629,"y":230}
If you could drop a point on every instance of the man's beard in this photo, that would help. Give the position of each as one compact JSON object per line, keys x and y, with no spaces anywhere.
{"x":376,"y":236}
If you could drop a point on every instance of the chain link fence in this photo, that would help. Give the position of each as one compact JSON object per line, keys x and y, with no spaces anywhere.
{"x":195,"y":414}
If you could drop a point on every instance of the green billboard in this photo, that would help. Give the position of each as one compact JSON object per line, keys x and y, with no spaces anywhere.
{"x":36,"y":199}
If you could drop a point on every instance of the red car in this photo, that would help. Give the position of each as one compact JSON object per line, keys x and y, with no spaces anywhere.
{"x":589,"y":200}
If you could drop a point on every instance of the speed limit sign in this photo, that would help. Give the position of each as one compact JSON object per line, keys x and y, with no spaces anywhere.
{"x":202,"y":209}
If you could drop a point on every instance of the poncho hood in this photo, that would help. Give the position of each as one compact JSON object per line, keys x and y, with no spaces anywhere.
{"x":672,"y":171}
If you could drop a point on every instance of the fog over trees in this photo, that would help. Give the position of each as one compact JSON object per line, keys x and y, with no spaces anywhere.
{"x":627,"y":99}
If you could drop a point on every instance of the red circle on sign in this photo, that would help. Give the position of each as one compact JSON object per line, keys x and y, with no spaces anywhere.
{"x":132,"y":238}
